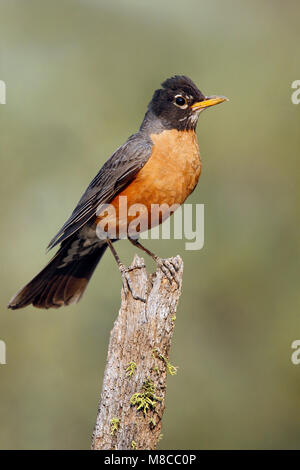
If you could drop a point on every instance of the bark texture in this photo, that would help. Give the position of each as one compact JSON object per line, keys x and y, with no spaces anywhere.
{"x":132,"y":401}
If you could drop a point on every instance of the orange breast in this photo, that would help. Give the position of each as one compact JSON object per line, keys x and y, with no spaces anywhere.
{"x":168,"y":177}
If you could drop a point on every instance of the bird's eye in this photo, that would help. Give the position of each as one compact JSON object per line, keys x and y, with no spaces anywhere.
{"x":180,"y":101}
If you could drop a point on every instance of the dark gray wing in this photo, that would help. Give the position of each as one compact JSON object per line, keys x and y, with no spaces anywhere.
{"x":119,"y":170}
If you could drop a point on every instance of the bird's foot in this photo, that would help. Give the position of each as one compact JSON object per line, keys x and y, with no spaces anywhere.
{"x":127,"y":283}
{"x":170,"y":268}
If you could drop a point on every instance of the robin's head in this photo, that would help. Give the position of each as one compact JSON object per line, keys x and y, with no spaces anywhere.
{"x":179,"y":102}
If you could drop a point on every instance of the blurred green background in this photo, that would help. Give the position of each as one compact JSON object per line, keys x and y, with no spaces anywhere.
{"x":79,"y":75}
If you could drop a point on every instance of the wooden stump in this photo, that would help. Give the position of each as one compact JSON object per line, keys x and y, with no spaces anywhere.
{"x":132,"y":400}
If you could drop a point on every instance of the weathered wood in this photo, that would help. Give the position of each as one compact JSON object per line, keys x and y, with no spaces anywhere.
{"x":137,"y":364}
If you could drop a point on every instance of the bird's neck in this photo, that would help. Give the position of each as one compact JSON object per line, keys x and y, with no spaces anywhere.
{"x":154,"y":125}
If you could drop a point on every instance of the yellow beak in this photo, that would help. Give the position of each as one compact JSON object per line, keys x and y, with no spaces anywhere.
{"x":209,"y":101}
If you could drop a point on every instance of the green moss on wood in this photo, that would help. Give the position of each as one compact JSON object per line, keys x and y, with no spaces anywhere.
{"x":114,"y":425}
{"x":146,"y":399}
{"x":131,"y":369}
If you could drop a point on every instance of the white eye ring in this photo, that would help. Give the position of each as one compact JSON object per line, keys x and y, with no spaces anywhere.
{"x":181,"y":106}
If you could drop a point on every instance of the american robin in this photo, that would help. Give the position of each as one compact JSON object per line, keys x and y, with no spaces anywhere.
{"x":160,"y":164}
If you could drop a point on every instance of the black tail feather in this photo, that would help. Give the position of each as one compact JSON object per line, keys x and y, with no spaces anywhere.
{"x":60,"y":282}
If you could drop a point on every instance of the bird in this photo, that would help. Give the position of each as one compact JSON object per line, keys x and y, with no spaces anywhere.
{"x":159,"y":164}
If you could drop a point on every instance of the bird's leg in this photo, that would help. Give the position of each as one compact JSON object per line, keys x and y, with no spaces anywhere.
{"x":169,"y":268}
{"x":127,"y":284}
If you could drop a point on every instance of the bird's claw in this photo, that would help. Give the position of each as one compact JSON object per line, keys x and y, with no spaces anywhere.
{"x":169,"y":269}
{"x":127,"y":284}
